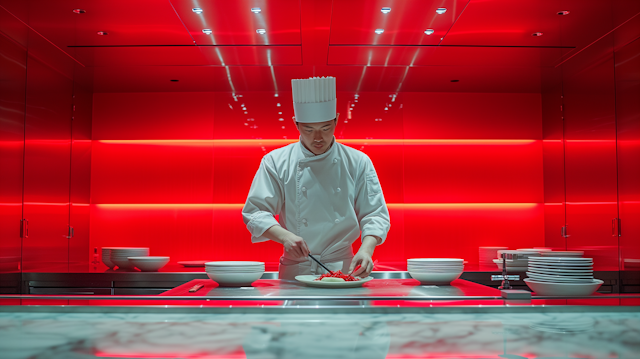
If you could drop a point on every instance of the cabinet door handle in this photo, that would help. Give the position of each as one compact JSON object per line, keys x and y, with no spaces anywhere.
{"x":24,"y":228}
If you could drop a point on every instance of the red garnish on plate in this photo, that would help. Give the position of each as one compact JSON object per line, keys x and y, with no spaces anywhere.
{"x":338,"y":274}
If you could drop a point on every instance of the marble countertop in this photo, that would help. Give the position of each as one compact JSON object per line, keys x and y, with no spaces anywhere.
{"x":363,"y":336}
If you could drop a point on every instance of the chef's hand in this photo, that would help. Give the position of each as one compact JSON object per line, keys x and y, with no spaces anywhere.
{"x":363,"y":257}
{"x":362,"y":263}
{"x":294,"y":245}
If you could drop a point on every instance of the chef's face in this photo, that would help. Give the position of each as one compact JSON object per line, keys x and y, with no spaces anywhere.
{"x":317,"y":137}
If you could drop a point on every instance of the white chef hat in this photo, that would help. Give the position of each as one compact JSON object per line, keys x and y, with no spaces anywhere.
{"x":314,"y":99}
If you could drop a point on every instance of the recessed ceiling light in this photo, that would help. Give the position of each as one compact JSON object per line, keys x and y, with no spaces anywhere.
{"x":379,"y":31}
{"x":281,"y":119}
{"x":79,"y":11}
{"x":565,"y":12}
{"x":103,"y":33}
{"x":441,"y":10}
{"x":428,"y":31}
{"x":256,"y":10}
{"x":197,"y":10}
{"x":207,"y":31}
{"x":536,"y":34}
{"x":278,"y":104}
{"x":261,"y":31}
{"x":385,"y":10}
{"x":275,"y":95}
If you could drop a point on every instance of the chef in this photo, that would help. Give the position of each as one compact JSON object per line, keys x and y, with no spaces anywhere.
{"x":325,"y":194}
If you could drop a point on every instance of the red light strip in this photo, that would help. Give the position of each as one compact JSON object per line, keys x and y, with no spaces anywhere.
{"x":461,"y":205}
{"x":266,"y":142}
{"x":236,"y":206}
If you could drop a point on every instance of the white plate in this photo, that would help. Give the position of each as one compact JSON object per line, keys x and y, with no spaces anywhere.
{"x":560,"y":266}
{"x":561,"y":259}
{"x":567,"y":289}
{"x":193,"y":263}
{"x":310,"y":280}
{"x":560,"y":271}
{"x":563,"y":279}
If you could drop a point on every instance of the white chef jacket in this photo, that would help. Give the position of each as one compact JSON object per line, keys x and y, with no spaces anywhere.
{"x":329,"y":200}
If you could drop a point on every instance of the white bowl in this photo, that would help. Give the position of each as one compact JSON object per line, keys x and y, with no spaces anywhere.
{"x":435,"y":278}
{"x":233,"y":264}
{"x":149,"y":263}
{"x":234,"y":279}
{"x":237,"y":270}
{"x":415,"y":270}
{"x":435,"y":260}
{"x":568,"y":289}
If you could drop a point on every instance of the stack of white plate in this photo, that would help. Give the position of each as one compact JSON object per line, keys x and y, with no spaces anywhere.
{"x":518,"y":265}
{"x":120,"y":255}
{"x":234,"y":273}
{"x":106,"y":257}
{"x":577,"y":254}
{"x":562,"y":276}
{"x":441,"y":271}
{"x":486,"y":255}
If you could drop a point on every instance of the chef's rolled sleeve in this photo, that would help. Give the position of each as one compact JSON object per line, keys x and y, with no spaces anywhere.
{"x":370,"y":205}
{"x":263,"y":202}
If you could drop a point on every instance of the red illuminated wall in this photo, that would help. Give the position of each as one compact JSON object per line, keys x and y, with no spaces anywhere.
{"x":171,"y":170}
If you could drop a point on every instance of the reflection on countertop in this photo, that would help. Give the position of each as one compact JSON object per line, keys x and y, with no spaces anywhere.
{"x":473,"y":335}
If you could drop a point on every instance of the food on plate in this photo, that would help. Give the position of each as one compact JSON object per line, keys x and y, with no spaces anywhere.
{"x":331,"y":277}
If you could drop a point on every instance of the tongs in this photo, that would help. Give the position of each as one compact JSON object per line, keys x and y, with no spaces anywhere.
{"x":321,"y":265}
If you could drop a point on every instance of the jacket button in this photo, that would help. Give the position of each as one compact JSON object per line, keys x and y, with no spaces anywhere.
{"x":304,"y":189}
{"x":335,"y":160}
{"x":337,"y":221}
{"x":304,"y":220}
{"x":338,"y":189}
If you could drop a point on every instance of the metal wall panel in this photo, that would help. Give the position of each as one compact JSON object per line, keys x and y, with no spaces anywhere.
{"x":590,"y":153}
{"x":13,"y":62}
{"x":46,"y":170}
{"x":628,"y":131}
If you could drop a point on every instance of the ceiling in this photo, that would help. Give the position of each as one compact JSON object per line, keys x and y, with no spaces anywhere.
{"x":487,"y":45}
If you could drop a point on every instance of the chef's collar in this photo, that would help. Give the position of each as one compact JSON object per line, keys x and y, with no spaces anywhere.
{"x":308,"y":153}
